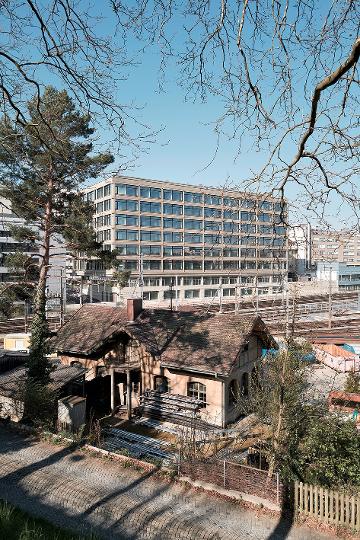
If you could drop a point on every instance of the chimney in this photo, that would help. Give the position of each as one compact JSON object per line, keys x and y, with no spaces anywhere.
{"x":134,"y":308}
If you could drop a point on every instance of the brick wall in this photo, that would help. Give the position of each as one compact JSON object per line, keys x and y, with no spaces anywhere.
{"x":235,"y":477}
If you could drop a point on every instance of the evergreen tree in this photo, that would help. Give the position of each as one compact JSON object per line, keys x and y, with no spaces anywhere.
{"x":43,"y":162}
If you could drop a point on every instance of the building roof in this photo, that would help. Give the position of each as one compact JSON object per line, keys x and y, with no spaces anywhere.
{"x":205,"y":342}
{"x":10,"y":382}
{"x":89,"y":328}
{"x":334,"y":350}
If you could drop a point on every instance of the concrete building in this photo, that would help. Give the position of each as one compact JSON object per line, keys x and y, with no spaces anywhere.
{"x":300,"y":252}
{"x":189,"y":242}
{"x":8,"y":245}
{"x":341,"y":246}
{"x":345,"y":275}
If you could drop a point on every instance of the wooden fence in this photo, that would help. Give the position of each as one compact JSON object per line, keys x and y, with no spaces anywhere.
{"x":328,"y":505}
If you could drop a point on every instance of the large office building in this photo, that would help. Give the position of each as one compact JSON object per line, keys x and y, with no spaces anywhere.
{"x":190,"y":242}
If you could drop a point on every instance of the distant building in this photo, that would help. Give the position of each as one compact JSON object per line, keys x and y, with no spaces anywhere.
{"x":341,"y":246}
{"x":9,"y":245}
{"x":346,"y":275}
{"x":189,"y":242}
{"x":300,"y":253}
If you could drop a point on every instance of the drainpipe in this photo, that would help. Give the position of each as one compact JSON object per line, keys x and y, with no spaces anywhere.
{"x":223,"y":419}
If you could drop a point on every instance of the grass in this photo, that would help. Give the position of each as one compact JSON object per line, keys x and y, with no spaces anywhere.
{"x":18,"y":525}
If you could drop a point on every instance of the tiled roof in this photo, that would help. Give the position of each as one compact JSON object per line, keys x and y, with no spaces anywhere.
{"x":10,"y":382}
{"x":89,"y":328}
{"x":190,"y":340}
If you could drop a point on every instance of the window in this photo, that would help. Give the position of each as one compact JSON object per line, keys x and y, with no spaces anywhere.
{"x":150,"y":236}
{"x":107,"y":205}
{"x":150,"y":250}
{"x":125,"y":189}
{"x":129,"y":206}
{"x":161,"y":383}
{"x":129,"y":221}
{"x":173,"y":251}
{"x":231,"y":227}
{"x":247,"y":203}
{"x":265,"y":241}
{"x":231,"y":252}
{"x":265,"y":217}
{"x":192,"y":293}
{"x":212,"y":225}
{"x":234,"y":391}
{"x":193,"y":224}
{"x":233,"y":239}
{"x":150,"y":193}
{"x":212,"y":239}
{"x":193,"y":251}
{"x":266,"y":229}
{"x":231,"y":265}
{"x":212,"y":265}
{"x":100,"y":193}
{"x":150,"y":295}
{"x":128,"y":250}
{"x":264,"y":265}
{"x":151,"y":282}
{"x":193,"y":211}
{"x":150,"y":207}
{"x":192,"y":281}
{"x":193,"y":265}
{"x":172,"y":195}
{"x":214,"y":280}
{"x":193,"y":197}
{"x":151,"y":265}
{"x":230,"y":202}
{"x":212,"y":212}
{"x":248,"y":228}
{"x":212,"y":252}
{"x":248,"y":265}
{"x":210,"y":293}
{"x":175,"y":209}
{"x":212,"y":199}
{"x":172,"y":223}
{"x":265,"y":205}
{"x":127,"y":235}
{"x":231,"y":214}
{"x":173,"y":265}
{"x":193,"y":238}
{"x":246,"y":292}
{"x":248,"y":216}
{"x":170,"y":294}
{"x":150,"y":221}
{"x":248,"y":252}
{"x":197,"y":390}
{"x":173,"y":237}
{"x":131,"y":265}
{"x":107,"y":190}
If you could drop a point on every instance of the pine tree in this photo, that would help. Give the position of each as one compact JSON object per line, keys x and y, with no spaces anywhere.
{"x":43,"y":163}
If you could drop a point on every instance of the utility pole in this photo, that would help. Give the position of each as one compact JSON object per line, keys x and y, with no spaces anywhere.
{"x":330,"y":298}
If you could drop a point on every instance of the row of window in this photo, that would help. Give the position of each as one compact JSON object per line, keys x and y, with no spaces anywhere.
{"x":206,"y":280}
{"x":197,"y":198}
{"x":127,"y":205}
{"x":209,"y":293}
{"x":169,"y":264}
{"x":192,"y":224}
{"x":196,"y":238}
{"x":179,"y":251}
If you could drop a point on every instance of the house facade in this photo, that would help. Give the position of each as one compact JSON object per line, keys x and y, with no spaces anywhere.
{"x":127,"y":351}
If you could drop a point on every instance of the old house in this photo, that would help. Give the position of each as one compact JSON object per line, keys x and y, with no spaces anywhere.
{"x":126,"y":351}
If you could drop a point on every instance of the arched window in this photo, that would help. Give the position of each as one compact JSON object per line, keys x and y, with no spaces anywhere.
{"x":234,"y":392}
{"x":161,"y":384}
{"x":197,"y":390}
{"x":245,"y":384}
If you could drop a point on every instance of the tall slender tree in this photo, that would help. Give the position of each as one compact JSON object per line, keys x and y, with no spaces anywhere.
{"x":43,"y":162}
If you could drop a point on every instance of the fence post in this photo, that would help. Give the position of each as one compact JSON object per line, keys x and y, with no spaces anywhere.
{"x":224,"y":474}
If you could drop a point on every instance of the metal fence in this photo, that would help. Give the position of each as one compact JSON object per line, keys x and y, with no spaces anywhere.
{"x":328,"y":505}
{"x":234,"y":476}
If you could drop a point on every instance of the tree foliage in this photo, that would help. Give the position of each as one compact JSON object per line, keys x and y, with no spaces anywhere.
{"x":42,"y":165}
{"x":352,"y":383}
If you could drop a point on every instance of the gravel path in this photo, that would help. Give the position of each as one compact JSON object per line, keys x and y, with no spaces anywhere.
{"x":89,"y":494}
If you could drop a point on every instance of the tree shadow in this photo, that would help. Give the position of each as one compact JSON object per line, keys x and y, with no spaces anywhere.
{"x":287,"y":515}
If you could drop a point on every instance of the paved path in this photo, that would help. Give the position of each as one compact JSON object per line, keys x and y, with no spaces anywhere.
{"x":87,"y":494}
